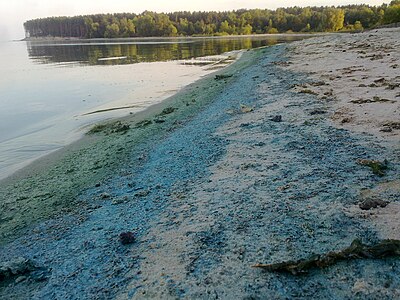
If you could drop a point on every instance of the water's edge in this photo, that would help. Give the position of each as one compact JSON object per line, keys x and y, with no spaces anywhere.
{"x":65,"y":173}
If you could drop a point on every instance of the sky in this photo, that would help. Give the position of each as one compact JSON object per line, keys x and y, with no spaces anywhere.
{"x":13,"y":13}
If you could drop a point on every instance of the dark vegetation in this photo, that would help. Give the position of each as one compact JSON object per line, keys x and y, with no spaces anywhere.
{"x":239,"y":22}
{"x":22,"y":266}
{"x":367,"y":204}
{"x":357,"y":249}
{"x":377,"y":167}
{"x":110,"y":127}
{"x":222,"y":76}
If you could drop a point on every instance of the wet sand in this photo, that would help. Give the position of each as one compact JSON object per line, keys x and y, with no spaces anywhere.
{"x":75,"y":99}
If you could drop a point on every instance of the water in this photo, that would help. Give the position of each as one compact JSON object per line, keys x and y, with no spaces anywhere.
{"x":48,"y":88}
{"x":131,"y":51}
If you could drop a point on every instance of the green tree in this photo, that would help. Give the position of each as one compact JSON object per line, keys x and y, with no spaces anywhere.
{"x":334,"y":19}
{"x":242,"y":21}
{"x":185,"y":27}
{"x":270,"y":28}
{"x":95,"y":29}
{"x":145,"y":25}
{"x":280,"y":20}
{"x":210,"y":29}
{"x":131,"y":28}
{"x":200,"y":27}
{"x":358,"y":25}
{"x":112,"y":31}
{"x":362,"y":13}
{"x":126,"y":27}
{"x":246,"y":29}
{"x":307,"y":28}
{"x":392,"y":13}
{"x":225,"y":28}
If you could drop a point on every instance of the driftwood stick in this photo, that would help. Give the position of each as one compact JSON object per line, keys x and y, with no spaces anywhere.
{"x":357,"y":249}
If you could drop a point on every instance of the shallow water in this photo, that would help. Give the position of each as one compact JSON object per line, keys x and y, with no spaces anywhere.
{"x":48,"y":88}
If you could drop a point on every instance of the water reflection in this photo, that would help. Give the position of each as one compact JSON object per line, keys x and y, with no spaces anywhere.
{"x":116,"y":52}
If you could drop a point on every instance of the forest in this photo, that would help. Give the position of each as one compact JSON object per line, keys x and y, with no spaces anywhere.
{"x":239,"y":22}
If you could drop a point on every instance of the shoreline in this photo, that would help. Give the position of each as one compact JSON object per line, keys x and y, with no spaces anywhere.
{"x":46,"y":167}
{"x":41,"y":39}
{"x":233,"y":171}
{"x":64,"y":128}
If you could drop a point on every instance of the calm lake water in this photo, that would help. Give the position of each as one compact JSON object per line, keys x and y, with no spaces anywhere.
{"x":46,"y":88}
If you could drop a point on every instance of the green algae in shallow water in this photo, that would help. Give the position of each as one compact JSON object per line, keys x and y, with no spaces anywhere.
{"x":373,"y":100}
{"x":357,"y":249}
{"x":167,"y":111}
{"x":17,"y":267}
{"x":143,"y":123}
{"x":114,"y":127}
{"x":96,"y":158}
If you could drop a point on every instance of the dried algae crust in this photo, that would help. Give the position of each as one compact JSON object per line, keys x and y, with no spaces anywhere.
{"x":356,"y":250}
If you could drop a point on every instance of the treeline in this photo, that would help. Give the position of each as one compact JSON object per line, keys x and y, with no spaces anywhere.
{"x":239,"y":22}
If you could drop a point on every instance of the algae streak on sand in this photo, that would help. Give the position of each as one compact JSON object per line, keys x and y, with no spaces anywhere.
{"x":51,"y":185}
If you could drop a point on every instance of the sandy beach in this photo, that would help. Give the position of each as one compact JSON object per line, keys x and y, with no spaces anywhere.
{"x":361,"y":76}
{"x":291,"y":151}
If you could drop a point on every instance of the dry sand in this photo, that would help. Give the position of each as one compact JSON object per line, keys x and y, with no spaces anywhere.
{"x":359,"y":74}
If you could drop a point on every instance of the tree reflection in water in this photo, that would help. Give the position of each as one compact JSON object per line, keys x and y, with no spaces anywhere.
{"x":131,"y":51}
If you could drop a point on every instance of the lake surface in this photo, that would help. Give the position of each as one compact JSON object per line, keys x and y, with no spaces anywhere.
{"x":47,"y":88}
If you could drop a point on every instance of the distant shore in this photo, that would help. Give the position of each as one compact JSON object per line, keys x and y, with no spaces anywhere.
{"x":32,"y":39}
{"x":50,"y":38}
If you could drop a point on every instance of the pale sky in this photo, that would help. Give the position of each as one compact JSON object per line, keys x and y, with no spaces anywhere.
{"x":13,"y":13}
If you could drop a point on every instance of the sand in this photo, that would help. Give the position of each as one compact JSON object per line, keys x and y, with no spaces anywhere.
{"x":243,"y":170}
{"x":359,"y":74}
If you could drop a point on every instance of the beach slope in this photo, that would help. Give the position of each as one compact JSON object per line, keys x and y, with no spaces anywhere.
{"x":242,"y":168}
